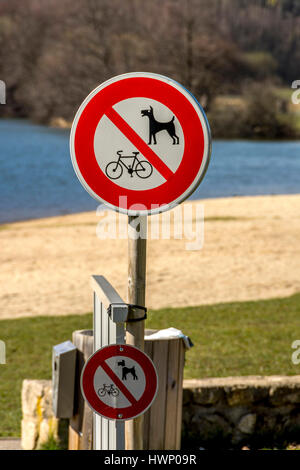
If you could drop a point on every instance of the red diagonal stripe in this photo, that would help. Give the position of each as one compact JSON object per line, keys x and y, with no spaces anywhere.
{"x":136,"y":140}
{"x":118,"y":383}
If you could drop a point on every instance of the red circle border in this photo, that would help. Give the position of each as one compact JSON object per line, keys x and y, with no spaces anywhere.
{"x":132,"y":87}
{"x":93,"y":400}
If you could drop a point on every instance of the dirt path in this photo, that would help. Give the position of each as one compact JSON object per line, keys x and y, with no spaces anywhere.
{"x":251,"y":251}
{"x":10,"y":443}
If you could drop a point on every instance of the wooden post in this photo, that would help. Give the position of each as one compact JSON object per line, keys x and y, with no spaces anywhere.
{"x":162,"y":421}
{"x":137,"y":241}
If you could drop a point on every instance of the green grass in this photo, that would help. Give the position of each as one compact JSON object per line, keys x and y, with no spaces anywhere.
{"x":240,"y":338}
{"x":51,"y":444}
{"x":29,"y":344}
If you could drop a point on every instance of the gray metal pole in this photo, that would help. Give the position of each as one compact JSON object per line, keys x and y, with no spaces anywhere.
{"x":107,"y":434}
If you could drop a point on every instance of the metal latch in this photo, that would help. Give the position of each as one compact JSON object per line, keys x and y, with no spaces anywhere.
{"x":119,"y":313}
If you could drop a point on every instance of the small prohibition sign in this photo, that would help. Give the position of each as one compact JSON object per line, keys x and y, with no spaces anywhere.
{"x":119,"y":382}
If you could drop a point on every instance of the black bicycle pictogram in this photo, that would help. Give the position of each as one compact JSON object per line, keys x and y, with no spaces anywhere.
{"x":142,"y":168}
{"x":108,"y":389}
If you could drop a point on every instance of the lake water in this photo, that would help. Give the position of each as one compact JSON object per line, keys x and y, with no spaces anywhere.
{"x":37,"y":178}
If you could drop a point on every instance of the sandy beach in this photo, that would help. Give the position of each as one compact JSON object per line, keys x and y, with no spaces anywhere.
{"x":250,"y":251}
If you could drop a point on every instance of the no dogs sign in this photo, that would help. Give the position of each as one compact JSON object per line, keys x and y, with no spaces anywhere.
{"x":140,"y":143}
{"x":119,"y":382}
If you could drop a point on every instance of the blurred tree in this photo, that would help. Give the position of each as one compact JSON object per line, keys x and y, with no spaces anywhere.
{"x":53,"y":52}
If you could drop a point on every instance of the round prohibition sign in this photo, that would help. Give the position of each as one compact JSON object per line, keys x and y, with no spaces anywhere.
{"x":119,"y":382}
{"x":140,"y":143}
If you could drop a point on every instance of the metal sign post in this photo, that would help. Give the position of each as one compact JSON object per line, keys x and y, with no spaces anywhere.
{"x":108,"y":435}
{"x":119,"y":381}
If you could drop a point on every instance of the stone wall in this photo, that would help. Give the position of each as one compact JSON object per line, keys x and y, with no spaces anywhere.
{"x":228,"y":412}
{"x":39,"y":425}
{"x":232,"y":412}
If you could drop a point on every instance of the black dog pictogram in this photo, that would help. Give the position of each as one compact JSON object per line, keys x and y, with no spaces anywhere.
{"x":157,"y":126}
{"x":127,"y":370}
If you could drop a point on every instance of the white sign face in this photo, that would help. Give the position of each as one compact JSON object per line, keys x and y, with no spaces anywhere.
{"x":119,"y":382}
{"x":111,"y":144}
{"x":131,"y":376}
